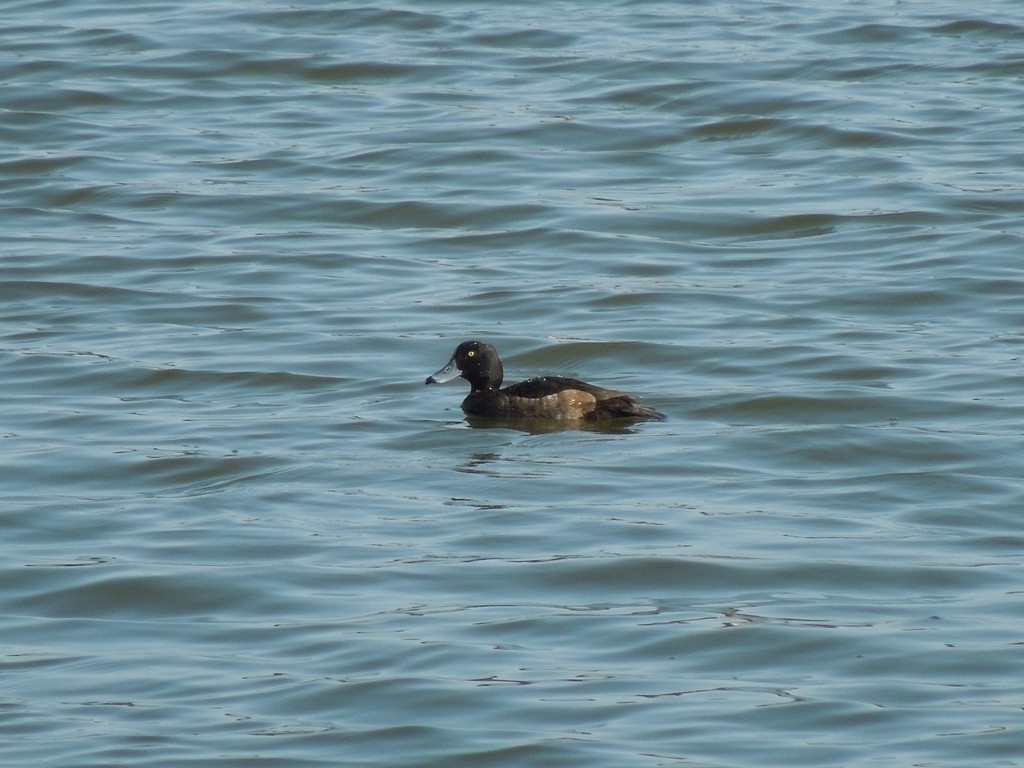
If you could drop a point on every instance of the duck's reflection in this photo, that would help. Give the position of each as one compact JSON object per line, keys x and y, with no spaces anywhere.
{"x":479,"y":463}
{"x":538,"y":426}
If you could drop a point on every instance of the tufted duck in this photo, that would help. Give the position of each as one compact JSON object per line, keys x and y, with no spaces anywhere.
{"x":547,"y":397}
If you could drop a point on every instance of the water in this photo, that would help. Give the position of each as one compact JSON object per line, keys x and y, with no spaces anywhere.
{"x":238,"y":530}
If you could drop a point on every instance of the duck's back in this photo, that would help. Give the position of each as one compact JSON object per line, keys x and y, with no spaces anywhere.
{"x":556,"y":397}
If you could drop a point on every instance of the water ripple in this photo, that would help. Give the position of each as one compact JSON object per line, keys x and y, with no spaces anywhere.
{"x":239,"y":528}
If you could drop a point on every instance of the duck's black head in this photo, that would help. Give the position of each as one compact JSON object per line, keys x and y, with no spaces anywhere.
{"x":475,"y":361}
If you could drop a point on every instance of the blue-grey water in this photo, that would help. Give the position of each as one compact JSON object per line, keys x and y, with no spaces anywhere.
{"x":239,"y":531}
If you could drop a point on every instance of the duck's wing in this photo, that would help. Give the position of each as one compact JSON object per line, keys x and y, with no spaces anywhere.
{"x":545,"y":386}
{"x":559,"y":397}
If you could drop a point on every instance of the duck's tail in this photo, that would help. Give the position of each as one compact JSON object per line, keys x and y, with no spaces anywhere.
{"x":625,"y":407}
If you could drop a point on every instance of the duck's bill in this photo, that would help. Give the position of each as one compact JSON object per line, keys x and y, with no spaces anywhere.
{"x":446,"y":374}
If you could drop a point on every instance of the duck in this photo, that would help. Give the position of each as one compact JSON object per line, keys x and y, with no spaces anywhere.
{"x":546,"y":397}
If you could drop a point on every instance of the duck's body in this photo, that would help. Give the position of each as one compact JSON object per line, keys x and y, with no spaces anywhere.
{"x":547,"y":397}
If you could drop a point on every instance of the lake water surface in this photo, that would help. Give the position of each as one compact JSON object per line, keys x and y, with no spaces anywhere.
{"x":239,"y":531}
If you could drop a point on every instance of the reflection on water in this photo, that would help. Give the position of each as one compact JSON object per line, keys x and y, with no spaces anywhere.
{"x":479,"y":463}
{"x":537,"y":426}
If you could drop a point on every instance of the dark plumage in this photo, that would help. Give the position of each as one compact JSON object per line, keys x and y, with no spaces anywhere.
{"x":547,"y":397}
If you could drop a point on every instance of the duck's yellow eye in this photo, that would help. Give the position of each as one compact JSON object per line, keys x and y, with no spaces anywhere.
{"x":471,"y":353}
